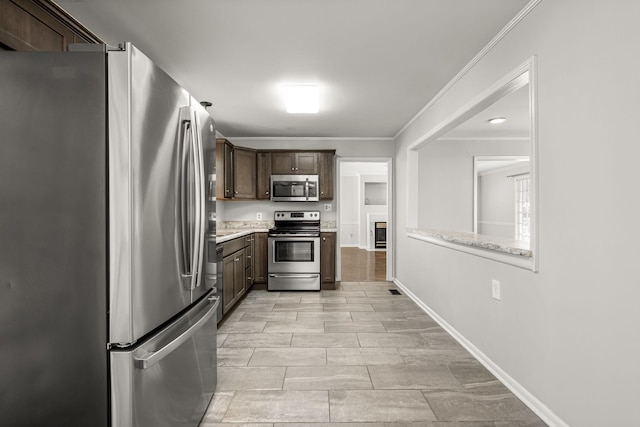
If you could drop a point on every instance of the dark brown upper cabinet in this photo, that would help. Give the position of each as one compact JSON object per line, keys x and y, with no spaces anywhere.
{"x":224,"y":169}
{"x":294,"y":163}
{"x":263,"y":173}
{"x":244,"y":173}
{"x":39,"y":25}
{"x":235,"y":171}
{"x":326,"y":175}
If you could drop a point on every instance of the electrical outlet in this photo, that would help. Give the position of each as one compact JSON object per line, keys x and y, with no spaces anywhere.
{"x":327,"y":206}
{"x":259,"y":216}
{"x":495,"y":290}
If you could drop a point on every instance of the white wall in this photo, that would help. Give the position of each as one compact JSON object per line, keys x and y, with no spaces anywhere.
{"x":446,"y":180}
{"x":497,"y":201}
{"x":567,"y":335}
{"x":246,"y":210}
{"x":349,"y":210}
{"x":372,"y":212}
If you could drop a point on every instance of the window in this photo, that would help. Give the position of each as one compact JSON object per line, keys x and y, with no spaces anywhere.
{"x":523,"y":208}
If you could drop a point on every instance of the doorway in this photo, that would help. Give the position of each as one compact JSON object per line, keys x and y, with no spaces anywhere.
{"x":364,"y":220}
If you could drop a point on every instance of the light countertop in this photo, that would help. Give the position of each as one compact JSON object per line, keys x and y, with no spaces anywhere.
{"x":493,"y":243}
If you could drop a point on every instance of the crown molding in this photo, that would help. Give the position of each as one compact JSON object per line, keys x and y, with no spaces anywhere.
{"x":510,"y":26}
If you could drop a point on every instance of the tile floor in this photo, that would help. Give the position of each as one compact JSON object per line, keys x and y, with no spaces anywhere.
{"x":354,"y":357}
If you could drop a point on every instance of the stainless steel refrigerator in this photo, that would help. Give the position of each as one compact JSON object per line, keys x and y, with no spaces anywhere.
{"x":105,"y":318}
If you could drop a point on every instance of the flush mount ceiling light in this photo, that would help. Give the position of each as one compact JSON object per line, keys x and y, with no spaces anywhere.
{"x":497,"y":120}
{"x":301,"y":98}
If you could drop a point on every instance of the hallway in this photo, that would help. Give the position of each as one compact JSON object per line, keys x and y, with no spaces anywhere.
{"x":360,"y":265}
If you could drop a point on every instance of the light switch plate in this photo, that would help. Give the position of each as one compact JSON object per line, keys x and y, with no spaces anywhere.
{"x":327,"y":206}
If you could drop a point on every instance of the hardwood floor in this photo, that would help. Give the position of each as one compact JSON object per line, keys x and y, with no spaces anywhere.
{"x":359,"y":265}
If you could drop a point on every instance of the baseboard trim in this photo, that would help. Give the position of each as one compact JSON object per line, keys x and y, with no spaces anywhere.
{"x":539,"y":408}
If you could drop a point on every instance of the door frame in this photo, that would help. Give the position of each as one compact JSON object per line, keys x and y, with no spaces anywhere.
{"x":390,"y":246}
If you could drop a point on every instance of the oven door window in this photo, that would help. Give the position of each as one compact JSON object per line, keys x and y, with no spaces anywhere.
{"x":293,"y":251}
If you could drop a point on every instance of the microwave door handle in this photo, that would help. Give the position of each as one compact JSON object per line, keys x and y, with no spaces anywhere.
{"x":306,"y":189}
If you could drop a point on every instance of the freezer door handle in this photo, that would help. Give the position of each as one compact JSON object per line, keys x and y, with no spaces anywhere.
{"x":154,"y":357}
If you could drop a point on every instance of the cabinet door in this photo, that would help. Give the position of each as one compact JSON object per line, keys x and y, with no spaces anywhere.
{"x":328,"y":259}
{"x":306,"y":163}
{"x":228,"y":287}
{"x":244,"y":173}
{"x":27,"y":25}
{"x":249,"y":260}
{"x":224,"y":169}
{"x":263,"y":174}
{"x":239,"y":274}
{"x":283,"y":163}
{"x":260,"y":258}
{"x":326,"y":176}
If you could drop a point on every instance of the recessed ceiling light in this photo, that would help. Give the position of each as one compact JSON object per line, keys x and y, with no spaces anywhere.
{"x":497,"y":120}
{"x":301,"y":98}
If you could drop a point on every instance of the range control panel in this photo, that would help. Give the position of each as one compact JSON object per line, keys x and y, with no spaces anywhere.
{"x":297,"y":215}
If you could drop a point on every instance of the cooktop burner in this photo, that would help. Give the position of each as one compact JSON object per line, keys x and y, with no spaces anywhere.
{"x":305,"y":223}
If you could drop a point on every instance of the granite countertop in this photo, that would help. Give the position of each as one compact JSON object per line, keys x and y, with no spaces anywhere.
{"x":493,"y":243}
{"x":229,"y":230}
{"x":229,"y":234}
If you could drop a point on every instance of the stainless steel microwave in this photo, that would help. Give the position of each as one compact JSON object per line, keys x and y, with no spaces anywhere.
{"x":294,"y":188}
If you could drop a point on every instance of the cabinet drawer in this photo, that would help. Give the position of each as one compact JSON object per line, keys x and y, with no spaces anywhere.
{"x":233,"y":246}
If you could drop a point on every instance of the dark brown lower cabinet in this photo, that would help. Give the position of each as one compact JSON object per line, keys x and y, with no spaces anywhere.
{"x":260,"y":258}
{"x":328,"y":260}
{"x":249,"y":259}
{"x":233,"y":273}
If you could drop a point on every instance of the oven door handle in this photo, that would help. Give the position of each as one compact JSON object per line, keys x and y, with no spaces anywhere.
{"x":294,"y":276}
{"x":293,"y":236}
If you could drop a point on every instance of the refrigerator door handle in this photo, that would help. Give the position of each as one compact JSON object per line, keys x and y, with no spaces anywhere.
{"x":154,"y":357}
{"x":198,"y":150}
{"x":182,"y":197}
{"x":191,"y":188}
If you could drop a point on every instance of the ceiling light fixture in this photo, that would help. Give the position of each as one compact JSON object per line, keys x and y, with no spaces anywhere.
{"x":497,"y":120}
{"x":301,"y":98}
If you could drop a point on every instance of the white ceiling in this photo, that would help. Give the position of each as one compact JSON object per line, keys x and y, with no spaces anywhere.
{"x":378,"y":62}
{"x":514,"y":107}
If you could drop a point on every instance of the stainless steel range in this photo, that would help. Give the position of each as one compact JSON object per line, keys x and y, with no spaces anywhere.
{"x":294,"y":251}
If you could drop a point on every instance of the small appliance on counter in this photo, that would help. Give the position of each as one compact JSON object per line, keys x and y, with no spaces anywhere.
{"x":294,"y":251}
